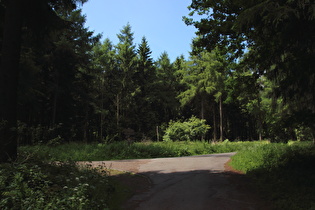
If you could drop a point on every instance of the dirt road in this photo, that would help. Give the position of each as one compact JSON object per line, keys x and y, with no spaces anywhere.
{"x":197,"y":182}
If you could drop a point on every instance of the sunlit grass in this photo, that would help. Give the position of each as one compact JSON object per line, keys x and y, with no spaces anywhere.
{"x":121,"y":150}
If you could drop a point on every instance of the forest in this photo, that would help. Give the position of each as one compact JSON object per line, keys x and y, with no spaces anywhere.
{"x":249,"y":76}
{"x":68,"y":95}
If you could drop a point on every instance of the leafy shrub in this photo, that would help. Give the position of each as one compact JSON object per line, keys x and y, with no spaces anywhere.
{"x":303,"y":133}
{"x":33,"y":184}
{"x":192,"y":129}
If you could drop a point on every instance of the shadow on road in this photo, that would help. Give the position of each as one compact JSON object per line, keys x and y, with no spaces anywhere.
{"x":198,"y":190}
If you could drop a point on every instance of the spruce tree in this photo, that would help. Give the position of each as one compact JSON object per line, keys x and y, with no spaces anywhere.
{"x":126,"y":59}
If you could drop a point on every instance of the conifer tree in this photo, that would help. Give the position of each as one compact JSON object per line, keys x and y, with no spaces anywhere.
{"x":105,"y":65}
{"x":126,"y":59}
{"x":145,"y":77}
{"x":168,"y":86}
{"x":38,"y":17}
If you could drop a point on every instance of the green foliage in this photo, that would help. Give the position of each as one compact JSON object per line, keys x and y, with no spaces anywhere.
{"x":191,"y":129}
{"x":33,"y":184}
{"x":262,"y":156}
{"x":121,"y":150}
{"x":74,"y":88}
{"x":303,"y":133}
{"x":278,"y":42}
{"x":167,"y":87}
{"x":283,"y":172}
{"x":39,"y":134}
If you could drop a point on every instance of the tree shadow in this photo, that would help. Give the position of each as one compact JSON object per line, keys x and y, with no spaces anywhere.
{"x":199,"y":189}
{"x":290,"y":185}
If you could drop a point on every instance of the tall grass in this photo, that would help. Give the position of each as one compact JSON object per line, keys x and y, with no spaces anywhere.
{"x":121,"y":150}
{"x":284,"y":173}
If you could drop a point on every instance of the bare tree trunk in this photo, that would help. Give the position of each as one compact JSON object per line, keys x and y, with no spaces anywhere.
{"x":157,"y":133}
{"x":214,"y":124}
{"x":202,"y":115}
{"x":101,"y":128}
{"x":260,"y":125}
{"x":101,"y":116}
{"x":221,"y":119}
{"x":54,"y":111}
{"x":117,"y":110}
{"x":86,"y":125}
{"x":10,"y":59}
{"x":202,"y":108}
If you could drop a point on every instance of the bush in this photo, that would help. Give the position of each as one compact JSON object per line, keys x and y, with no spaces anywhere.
{"x":192,"y":129}
{"x":34,"y":184}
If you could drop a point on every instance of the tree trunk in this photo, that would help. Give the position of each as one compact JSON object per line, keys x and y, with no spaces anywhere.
{"x":214,"y":124}
{"x":86,"y":125}
{"x":10,"y":59}
{"x":54,"y":110}
{"x":221,"y":119}
{"x":117,"y":110}
{"x":202,"y":108}
{"x":157,"y":133}
{"x":101,"y":128}
{"x":203,"y":115}
{"x":101,"y":115}
{"x":260,"y":125}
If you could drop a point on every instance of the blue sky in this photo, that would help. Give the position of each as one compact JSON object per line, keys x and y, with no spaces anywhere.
{"x":160,"y":21}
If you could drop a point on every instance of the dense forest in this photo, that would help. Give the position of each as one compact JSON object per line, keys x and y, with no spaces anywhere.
{"x":250,"y":75}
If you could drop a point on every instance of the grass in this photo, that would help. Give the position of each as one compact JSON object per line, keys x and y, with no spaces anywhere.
{"x":117,"y":188}
{"x":36,"y":180}
{"x":121,"y":150}
{"x":284,"y":173}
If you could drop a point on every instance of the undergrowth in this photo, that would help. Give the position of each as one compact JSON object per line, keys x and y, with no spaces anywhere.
{"x":121,"y":150}
{"x":31,"y":183}
{"x":284,"y":173}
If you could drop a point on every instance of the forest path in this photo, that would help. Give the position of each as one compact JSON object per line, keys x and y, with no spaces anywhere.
{"x":196,"y":182}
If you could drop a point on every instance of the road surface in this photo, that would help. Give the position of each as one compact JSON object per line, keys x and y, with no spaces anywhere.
{"x":192,"y":183}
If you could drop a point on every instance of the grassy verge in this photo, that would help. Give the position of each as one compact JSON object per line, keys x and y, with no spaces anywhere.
{"x":121,"y":150}
{"x":36,"y":182}
{"x":284,"y":173}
